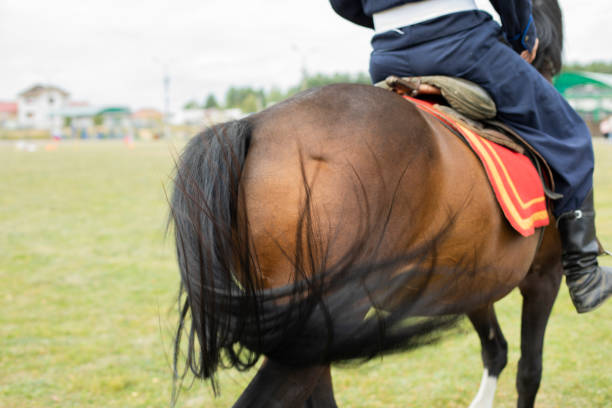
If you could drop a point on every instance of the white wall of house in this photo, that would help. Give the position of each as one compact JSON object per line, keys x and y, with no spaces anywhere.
{"x":188,"y":117}
{"x":41,"y":110}
{"x":205,"y":117}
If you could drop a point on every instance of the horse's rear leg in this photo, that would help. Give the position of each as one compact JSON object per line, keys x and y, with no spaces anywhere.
{"x":323,"y":394}
{"x":494,"y":354}
{"x":279,"y":386}
{"x":539,"y":290}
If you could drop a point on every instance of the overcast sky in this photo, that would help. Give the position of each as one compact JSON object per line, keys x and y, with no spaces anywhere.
{"x":115,"y":51}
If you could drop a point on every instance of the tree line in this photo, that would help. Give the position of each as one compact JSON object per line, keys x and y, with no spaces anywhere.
{"x":249,"y":99}
{"x":597,"y":66}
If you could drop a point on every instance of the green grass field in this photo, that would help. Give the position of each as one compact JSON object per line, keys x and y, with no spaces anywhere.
{"x":88,"y":284}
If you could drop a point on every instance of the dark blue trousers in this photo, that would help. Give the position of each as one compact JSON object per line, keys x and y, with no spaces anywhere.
{"x":468,"y":45}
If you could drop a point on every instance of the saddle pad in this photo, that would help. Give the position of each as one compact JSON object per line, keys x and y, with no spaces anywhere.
{"x":512,"y":176}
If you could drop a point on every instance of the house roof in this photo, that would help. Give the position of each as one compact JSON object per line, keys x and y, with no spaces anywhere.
{"x":147,"y":113}
{"x":39,"y":89}
{"x":8,"y":107}
{"x":88,"y":111}
{"x":567,"y":80}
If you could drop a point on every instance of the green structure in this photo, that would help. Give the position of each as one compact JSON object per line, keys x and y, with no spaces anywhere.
{"x":98,"y":121}
{"x":590,"y":93}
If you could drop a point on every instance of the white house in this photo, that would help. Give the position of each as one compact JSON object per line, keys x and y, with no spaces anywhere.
{"x":39,"y":105}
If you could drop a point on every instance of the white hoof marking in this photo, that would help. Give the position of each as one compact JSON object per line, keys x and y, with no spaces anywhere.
{"x":486,"y":392}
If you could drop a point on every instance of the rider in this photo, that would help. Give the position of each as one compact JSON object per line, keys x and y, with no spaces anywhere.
{"x":454,"y":38}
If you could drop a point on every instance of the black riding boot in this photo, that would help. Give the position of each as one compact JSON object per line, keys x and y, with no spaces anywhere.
{"x":589,"y":284}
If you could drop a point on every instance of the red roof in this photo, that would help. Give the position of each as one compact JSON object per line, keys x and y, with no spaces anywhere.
{"x":78,"y":103}
{"x":8,"y":107}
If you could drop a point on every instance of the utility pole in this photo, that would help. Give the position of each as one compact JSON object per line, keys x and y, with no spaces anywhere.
{"x":166,"y":95}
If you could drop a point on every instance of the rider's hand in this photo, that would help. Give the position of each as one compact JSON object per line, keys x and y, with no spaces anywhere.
{"x":530,"y":56}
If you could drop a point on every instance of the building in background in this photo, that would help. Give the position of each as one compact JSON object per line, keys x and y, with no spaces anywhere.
{"x":590,"y":93}
{"x":94,"y":121}
{"x":8,"y":115}
{"x":148,"y":123}
{"x":147,"y":118}
{"x":205,"y":117}
{"x":38,"y":106}
{"x":44,"y":111}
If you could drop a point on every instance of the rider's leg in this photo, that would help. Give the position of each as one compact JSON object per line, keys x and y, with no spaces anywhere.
{"x":536,"y":110}
{"x":589,"y":284}
{"x":528,"y":103}
{"x":570,"y":153}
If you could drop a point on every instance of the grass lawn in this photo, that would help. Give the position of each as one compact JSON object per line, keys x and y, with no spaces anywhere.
{"x":88,"y":284}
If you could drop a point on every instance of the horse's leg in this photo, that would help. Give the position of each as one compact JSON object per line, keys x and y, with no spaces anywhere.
{"x":323,"y":394}
{"x":279,"y":386}
{"x":539,"y":290}
{"x":494,"y":354}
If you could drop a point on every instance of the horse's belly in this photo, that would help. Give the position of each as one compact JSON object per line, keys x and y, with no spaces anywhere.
{"x":485,"y":256}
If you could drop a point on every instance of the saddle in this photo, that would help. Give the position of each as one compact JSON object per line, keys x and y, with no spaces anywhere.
{"x":469,"y":104}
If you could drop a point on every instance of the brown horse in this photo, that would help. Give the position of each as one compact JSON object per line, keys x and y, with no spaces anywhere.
{"x":315,"y":230}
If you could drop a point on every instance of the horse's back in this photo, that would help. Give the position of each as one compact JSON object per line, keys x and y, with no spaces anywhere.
{"x":348,"y":146}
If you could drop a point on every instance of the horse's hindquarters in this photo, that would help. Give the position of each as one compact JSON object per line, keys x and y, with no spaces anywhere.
{"x":374,"y":173}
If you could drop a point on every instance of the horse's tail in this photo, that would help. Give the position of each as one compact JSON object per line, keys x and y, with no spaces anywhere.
{"x":226,"y":316}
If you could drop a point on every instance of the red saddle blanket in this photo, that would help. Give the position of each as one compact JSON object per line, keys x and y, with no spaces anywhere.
{"x":514,"y":179}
